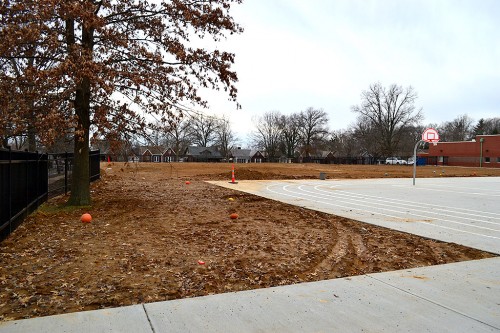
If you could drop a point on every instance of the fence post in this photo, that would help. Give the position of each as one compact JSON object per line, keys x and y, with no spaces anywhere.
{"x":66,"y":173}
{"x":10,"y":189}
{"x":47,"y":173}
{"x":37,"y":170}
{"x":46,"y":189}
{"x":27,"y":162}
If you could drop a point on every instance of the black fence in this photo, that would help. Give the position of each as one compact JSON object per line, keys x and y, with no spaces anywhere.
{"x":29,"y":179}
{"x":60,"y":167}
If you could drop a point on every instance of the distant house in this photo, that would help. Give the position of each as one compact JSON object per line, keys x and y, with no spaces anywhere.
{"x":169,"y":155}
{"x":133,"y":157}
{"x":146,"y":155}
{"x":241,"y":155}
{"x":248,"y":156}
{"x":256,"y":156}
{"x":367,"y":158}
{"x":483,"y":151}
{"x":202,"y":154}
{"x":319,"y":157}
{"x":156,"y":154}
{"x":151,"y":154}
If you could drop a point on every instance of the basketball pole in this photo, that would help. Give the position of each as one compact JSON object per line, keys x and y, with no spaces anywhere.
{"x":415,"y":160}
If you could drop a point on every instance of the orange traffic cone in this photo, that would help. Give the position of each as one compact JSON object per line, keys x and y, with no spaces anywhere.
{"x":233,"y":180}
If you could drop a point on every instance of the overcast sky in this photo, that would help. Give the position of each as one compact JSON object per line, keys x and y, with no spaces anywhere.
{"x":296,"y":54}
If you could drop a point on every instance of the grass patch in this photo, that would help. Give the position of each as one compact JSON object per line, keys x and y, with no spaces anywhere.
{"x":51,"y":208}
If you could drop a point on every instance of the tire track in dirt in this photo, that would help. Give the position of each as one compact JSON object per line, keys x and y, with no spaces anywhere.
{"x":347,"y":256}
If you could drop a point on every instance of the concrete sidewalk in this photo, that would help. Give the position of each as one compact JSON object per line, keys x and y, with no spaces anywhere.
{"x":459,"y":297}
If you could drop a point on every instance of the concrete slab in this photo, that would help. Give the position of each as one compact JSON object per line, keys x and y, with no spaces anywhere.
{"x":129,"y":319}
{"x":471,"y":288}
{"x":460,"y":297}
{"x":359,"y":304}
{"x":458,"y":210}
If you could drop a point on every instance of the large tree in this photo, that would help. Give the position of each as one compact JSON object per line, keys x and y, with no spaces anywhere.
{"x":490,"y":126}
{"x":389,"y":111}
{"x":291,"y":134}
{"x":179,"y":136}
{"x":203,"y":129}
{"x":459,"y":129}
{"x":364,"y":133}
{"x":313,"y":126}
{"x":225,"y":137}
{"x":113,"y":62}
{"x":268,"y":134}
{"x":344,"y":143}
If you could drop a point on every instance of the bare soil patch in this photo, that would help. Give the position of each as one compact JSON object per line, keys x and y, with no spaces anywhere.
{"x":155,"y":238}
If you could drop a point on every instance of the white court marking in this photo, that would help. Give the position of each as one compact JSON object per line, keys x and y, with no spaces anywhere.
{"x":460,"y":210}
{"x":354,"y":201}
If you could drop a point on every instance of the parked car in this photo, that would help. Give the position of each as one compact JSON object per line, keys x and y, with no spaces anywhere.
{"x":395,"y":160}
{"x":410,"y":161}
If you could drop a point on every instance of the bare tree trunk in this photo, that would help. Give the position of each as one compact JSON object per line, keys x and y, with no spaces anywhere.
{"x":31,"y":137}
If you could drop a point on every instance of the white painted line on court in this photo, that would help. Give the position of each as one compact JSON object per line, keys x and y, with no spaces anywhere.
{"x":411,"y":204}
{"x":285,"y":188}
{"x":354,"y":202}
{"x":454,"y":209}
{"x":327,"y":203}
{"x":451,"y":191}
{"x":463,"y":187}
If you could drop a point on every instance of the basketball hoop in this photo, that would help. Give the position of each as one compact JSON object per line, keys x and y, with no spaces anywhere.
{"x":430,"y":135}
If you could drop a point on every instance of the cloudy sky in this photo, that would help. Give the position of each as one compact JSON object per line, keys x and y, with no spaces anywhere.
{"x":296,"y":54}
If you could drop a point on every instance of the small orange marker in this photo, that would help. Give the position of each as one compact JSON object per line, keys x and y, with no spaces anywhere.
{"x":86,"y":218}
{"x":201,"y":262}
{"x":188,"y":182}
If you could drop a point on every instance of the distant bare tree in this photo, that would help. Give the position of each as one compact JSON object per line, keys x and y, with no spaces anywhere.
{"x":203,"y":129}
{"x":313,"y":126}
{"x":492,"y":126}
{"x":63,"y":143}
{"x":179,"y":136}
{"x":365,"y":135}
{"x":459,"y":129}
{"x":19,"y":142}
{"x":268,"y":134}
{"x":390,"y":112}
{"x":343,"y":143}
{"x":225,"y":137}
{"x":156,"y":134}
{"x":290,"y":130}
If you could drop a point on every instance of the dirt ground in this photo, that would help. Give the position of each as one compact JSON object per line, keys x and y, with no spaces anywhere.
{"x":154,"y":237}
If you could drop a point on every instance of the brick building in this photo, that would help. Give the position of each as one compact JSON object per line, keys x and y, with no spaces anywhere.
{"x":483,"y":151}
